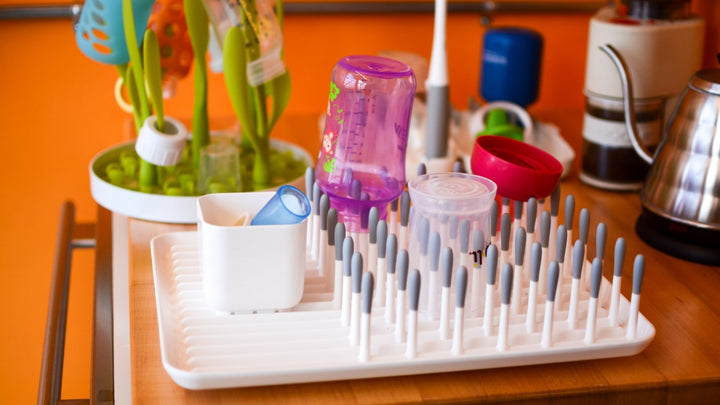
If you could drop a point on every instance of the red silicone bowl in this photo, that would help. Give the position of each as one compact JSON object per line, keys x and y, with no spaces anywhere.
{"x":519,"y":169}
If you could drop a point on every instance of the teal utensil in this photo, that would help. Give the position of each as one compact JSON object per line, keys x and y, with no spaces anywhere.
{"x":100,"y":33}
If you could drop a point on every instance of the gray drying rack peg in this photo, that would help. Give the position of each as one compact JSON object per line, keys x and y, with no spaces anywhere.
{"x":464,"y":234}
{"x":339,"y":236}
{"x":494,"y":217}
{"x":324,"y":209}
{"x":356,"y":269}
{"x":578,"y":252}
{"x":400,"y":307}
{"x":531,"y":215}
{"x":336,"y":236}
{"x":391,"y":249}
{"x":373,"y":219}
{"x":391,"y":261}
{"x":424,"y":236}
{"x":445,"y":291}
{"x":367,"y":296}
{"x":535,"y":258}
{"x":414,"y":295}
{"x":555,"y":201}
{"x":461,"y":282}
{"x":584,"y":224}
{"x":381,"y":235}
{"x":434,"y":251}
{"x":414,"y":289}
{"x":569,"y":212}
{"x":552,"y":281}
{"x":505,"y":224}
{"x":367,"y":292}
{"x":348,"y":247}
{"x":405,"y":208}
{"x":491,"y":261}
{"x":619,"y":258}
{"x":331,"y":225}
{"x":600,"y":240}
{"x":520,"y":239}
{"x":506,"y":283}
{"x":560,"y":244}
{"x":545,"y":229}
{"x":595,"y":279}
{"x":421,"y":169}
{"x":309,"y":181}
{"x":638,"y":276}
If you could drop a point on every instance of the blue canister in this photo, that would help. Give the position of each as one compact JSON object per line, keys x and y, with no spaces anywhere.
{"x":511,"y":61}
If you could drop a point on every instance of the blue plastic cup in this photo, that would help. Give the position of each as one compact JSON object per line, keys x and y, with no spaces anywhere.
{"x":288,"y":206}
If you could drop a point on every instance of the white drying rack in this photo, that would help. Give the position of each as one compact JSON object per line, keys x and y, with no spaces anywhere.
{"x":204,"y":349}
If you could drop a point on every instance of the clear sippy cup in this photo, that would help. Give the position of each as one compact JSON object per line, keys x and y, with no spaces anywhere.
{"x":362,"y":157}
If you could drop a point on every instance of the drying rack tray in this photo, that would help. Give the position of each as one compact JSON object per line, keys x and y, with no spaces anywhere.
{"x":202,"y":348}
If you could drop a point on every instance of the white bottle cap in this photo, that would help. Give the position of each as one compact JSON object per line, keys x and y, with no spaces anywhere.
{"x":162,"y":148}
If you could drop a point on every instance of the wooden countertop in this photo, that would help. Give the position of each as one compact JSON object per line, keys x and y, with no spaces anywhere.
{"x":680,"y":365}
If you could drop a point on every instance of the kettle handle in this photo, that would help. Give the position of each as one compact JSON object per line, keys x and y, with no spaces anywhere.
{"x":630,"y":124}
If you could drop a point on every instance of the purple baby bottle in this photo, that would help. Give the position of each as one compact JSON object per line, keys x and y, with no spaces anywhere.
{"x":362,"y":157}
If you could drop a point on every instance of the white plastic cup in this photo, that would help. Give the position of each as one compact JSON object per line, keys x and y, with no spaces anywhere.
{"x":440,"y":199}
{"x":248,"y":268}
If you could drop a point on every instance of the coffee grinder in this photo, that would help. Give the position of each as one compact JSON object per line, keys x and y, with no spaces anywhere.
{"x":662,"y":45}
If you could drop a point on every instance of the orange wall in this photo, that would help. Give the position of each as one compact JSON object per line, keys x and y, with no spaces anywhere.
{"x":57,"y":111}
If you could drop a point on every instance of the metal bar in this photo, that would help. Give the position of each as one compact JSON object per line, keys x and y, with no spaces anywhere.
{"x":101,"y":363}
{"x":83,"y":235}
{"x":50,"y":386}
{"x":482,"y":7}
{"x":70,"y":236}
{"x":72,"y":11}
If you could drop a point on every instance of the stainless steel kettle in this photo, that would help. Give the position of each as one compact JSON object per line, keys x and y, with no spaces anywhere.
{"x":681,"y":194}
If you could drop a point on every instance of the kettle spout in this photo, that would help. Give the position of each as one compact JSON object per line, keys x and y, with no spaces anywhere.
{"x":630,"y":123}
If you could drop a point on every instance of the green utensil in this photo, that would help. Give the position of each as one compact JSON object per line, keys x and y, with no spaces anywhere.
{"x":235,"y":68}
{"x":279,"y":89}
{"x":197,"y":22}
{"x":133,"y":96}
{"x":135,"y":60}
{"x":153,"y":75}
{"x":497,"y":124}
